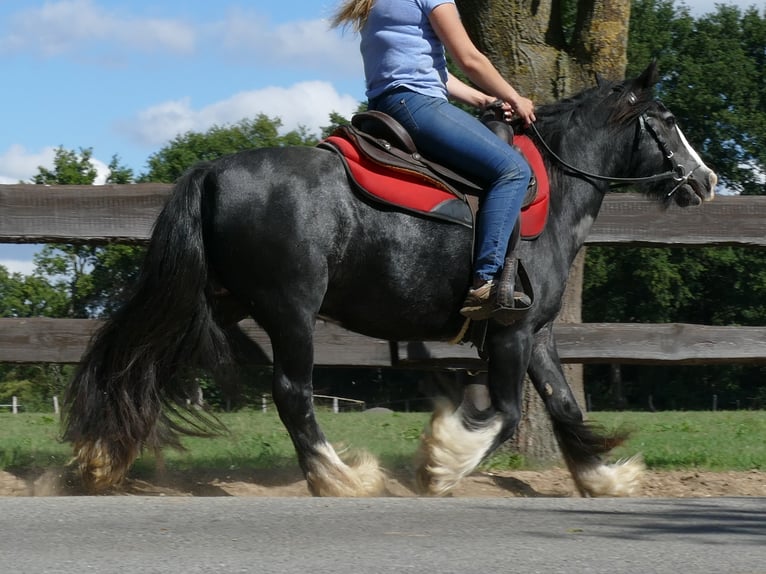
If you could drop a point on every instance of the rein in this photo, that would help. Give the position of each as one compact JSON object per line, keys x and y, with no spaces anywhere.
{"x":677,"y":173}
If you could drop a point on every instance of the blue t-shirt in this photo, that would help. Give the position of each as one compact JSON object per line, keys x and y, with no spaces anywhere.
{"x":400,"y":48}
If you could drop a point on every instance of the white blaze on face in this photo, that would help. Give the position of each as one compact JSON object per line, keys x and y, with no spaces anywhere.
{"x":710,"y":177}
{"x":691,"y":151}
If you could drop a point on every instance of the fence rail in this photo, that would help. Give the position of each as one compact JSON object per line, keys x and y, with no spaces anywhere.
{"x":64,"y":340}
{"x":126,"y":213}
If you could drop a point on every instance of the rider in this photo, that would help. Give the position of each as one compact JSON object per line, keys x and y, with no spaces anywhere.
{"x":403,"y":48}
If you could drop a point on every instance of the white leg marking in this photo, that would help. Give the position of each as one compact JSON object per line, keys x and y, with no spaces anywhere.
{"x":448,"y":451}
{"x":622,"y":478}
{"x":360,"y":476}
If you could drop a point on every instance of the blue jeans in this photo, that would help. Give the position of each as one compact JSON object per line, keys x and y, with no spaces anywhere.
{"x":457,"y":139}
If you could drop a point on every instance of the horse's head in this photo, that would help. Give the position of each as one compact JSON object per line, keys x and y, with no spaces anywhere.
{"x":660,"y":150}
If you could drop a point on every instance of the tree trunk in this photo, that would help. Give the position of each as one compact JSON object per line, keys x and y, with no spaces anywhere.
{"x":527,"y":40}
{"x":534,"y":438}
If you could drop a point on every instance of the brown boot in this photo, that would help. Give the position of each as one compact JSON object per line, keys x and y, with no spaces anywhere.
{"x":480,"y":302}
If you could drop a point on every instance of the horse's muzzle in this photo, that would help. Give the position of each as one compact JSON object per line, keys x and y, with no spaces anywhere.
{"x":700,"y":187}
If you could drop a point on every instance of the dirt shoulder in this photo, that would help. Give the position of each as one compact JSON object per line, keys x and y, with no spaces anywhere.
{"x":547,"y":483}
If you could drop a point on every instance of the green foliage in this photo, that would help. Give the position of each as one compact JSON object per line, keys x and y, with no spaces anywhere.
{"x":337,"y":120}
{"x":719,"y":98}
{"x":24,"y":391}
{"x":114,"y":270}
{"x":70,"y":168}
{"x":504,"y":461}
{"x":118,"y":173}
{"x":79,"y":280}
{"x":185,"y":150}
{"x":30,"y":296}
{"x":34,"y":385}
{"x":721,"y":105}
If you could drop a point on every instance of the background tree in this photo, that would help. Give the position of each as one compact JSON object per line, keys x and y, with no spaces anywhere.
{"x":69,"y":269}
{"x":69,"y":168}
{"x":62,"y":284}
{"x":721,"y":105}
{"x":185,"y":150}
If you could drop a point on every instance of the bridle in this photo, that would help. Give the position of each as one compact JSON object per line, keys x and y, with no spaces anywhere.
{"x":677,"y":172}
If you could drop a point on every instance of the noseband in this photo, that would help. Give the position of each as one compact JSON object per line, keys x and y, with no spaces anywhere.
{"x":677,"y":172}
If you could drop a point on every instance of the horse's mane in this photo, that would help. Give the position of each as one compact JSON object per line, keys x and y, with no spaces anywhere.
{"x":612,"y":103}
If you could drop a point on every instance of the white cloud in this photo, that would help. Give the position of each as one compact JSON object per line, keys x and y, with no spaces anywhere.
{"x":302,"y":43}
{"x":18,"y":164}
{"x":25,"y":267}
{"x":62,"y":27}
{"x":87,"y":30}
{"x":306,"y":104}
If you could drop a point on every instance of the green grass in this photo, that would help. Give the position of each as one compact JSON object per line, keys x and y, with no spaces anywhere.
{"x":258,"y":440}
{"x":723,"y":440}
{"x":667,"y":440}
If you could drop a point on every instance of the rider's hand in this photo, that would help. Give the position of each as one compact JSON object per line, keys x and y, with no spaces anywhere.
{"x":524,"y":108}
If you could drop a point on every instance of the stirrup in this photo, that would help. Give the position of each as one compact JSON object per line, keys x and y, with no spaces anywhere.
{"x":508,"y":312}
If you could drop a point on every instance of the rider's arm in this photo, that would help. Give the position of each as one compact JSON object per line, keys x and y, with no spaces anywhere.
{"x":462,"y":92}
{"x":448,"y":26}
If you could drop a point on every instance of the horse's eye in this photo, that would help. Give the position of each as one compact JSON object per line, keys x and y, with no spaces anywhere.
{"x":670,"y":121}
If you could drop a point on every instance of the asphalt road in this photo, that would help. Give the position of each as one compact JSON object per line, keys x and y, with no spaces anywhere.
{"x":307,"y":535}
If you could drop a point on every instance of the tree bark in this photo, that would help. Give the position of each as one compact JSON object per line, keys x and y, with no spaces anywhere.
{"x":530,"y":43}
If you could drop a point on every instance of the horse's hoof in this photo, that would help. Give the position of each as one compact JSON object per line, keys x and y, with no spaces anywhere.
{"x":449,"y":451}
{"x":623,"y":478}
{"x":358,"y":476}
{"x":99,"y":469}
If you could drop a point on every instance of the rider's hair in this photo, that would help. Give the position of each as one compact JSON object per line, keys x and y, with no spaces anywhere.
{"x":352,"y":13}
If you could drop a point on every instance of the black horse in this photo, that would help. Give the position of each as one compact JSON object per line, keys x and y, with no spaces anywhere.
{"x":279,"y":235}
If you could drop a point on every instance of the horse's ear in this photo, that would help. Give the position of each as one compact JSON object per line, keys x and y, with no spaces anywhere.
{"x":649,"y":77}
{"x":599,"y":80}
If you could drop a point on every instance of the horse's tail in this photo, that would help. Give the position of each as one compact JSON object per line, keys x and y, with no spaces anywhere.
{"x":133,"y":383}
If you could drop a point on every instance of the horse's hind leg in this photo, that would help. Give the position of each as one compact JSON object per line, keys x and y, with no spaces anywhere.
{"x":581,"y":444}
{"x":325,"y":472}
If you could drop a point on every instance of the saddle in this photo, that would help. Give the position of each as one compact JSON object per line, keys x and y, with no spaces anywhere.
{"x":383,"y":162}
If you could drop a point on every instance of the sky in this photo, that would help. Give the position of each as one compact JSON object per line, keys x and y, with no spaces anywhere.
{"x":126,"y":76}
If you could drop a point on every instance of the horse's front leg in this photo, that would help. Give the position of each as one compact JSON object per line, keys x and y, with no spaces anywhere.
{"x":582,"y":445}
{"x":458,"y":438}
{"x":325,"y":472}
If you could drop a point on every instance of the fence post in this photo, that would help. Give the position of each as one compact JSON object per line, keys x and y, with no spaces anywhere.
{"x":15,"y":405}
{"x":263,"y":403}
{"x":55,"y":404}
{"x":335,"y":407}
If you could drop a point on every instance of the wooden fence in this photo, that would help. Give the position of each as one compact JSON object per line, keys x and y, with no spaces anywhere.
{"x":126,"y":213}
